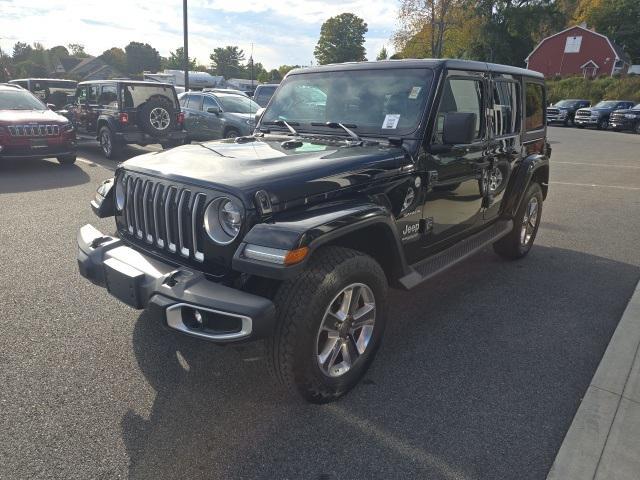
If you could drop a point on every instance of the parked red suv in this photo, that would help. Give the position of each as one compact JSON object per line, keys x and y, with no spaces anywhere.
{"x":29,"y":129}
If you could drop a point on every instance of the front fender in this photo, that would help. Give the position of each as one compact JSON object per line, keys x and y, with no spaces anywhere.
{"x":319,"y":226}
{"x":533,"y":166}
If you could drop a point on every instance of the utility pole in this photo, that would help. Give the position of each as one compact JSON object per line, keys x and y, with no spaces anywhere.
{"x":186,"y":46}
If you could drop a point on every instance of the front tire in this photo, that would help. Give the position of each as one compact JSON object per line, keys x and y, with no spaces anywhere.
{"x":637,"y":128}
{"x":330,"y":324}
{"x":232,"y":133}
{"x":525,"y":226}
{"x":603,"y":124}
{"x":111,"y":147}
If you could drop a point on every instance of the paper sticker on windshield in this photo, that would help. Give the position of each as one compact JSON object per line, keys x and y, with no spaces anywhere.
{"x":415,"y":91}
{"x":391,"y":121}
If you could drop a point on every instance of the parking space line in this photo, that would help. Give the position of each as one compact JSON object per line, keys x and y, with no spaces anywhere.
{"x":599,"y":164}
{"x":619,"y":187}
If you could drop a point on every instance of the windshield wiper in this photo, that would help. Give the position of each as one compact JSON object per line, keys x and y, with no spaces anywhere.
{"x":351,"y":133}
{"x":282,"y":123}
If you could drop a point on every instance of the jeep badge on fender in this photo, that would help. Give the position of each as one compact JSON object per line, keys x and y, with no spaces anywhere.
{"x":358,"y":177}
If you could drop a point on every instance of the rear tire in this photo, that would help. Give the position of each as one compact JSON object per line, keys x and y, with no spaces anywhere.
{"x":526,"y":222}
{"x":111,"y":147}
{"x":66,"y":159}
{"x":312,"y":352}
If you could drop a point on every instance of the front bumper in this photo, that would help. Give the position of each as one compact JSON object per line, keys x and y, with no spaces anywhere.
{"x":176,"y":293}
{"x":587,"y":122}
{"x":621,"y":124}
{"x":142,"y":138}
{"x":556,"y":119}
{"x":21,"y":152}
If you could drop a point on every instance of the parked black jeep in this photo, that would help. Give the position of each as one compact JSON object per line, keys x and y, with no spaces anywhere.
{"x":564,"y":111}
{"x":628,"y":119}
{"x":358,"y":176}
{"x":598,"y":116}
{"x":118,"y":112}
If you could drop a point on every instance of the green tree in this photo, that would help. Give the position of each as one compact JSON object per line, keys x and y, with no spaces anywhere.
{"x":176,"y":60}
{"x":284,"y":69}
{"x":141,"y":57}
{"x":77,"y":50}
{"x":29,"y":68}
{"x":227,"y":61}
{"x":21,"y":52}
{"x":383,"y":54}
{"x":116,"y":58}
{"x":341,"y":40}
{"x":59,"y":51}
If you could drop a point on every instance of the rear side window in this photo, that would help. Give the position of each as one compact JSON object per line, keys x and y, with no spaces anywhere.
{"x":461,"y":95}
{"x":505,"y":108}
{"x":535,"y":106}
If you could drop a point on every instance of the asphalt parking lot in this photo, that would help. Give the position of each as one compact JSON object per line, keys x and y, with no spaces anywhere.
{"x":480,"y":374}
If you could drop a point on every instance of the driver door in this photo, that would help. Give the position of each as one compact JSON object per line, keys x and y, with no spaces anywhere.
{"x":213,"y":122}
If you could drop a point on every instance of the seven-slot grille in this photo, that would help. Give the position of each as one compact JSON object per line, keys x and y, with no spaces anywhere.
{"x":34,"y":130}
{"x":169,"y":217}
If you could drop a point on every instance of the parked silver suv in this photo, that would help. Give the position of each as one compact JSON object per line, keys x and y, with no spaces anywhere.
{"x":211,"y":116}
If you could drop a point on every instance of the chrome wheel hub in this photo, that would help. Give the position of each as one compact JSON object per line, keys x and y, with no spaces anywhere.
{"x":346,"y":330}
{"x":529,"y":221}
{"x":159,"y":118}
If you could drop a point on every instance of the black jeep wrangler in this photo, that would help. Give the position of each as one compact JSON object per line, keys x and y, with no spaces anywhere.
{"x":358,"y":177}
{"x":118,"y":112}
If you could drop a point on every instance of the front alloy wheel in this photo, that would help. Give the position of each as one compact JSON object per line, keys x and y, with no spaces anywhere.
{"x":330,"y":323}
{"x":346,"y":330}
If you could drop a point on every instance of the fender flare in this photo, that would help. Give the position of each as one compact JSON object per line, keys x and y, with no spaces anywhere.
{"x":109,"y":121}
{"x":317,"y":227}
{"x":533,"y":166}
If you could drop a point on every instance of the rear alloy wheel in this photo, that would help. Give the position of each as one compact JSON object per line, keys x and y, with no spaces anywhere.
{"x":525,"y":226}
{"x":330,"y":324}
{"x":111,"y":148}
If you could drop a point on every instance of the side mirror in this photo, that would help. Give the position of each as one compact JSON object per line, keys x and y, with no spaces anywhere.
{"x":51,"y":106}
{"x":215,"y":110}
{"x":259,"y":113}
{"x":459,"y":128}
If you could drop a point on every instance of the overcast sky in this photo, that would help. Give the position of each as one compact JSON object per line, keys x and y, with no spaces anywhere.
{"x":282,"y":31}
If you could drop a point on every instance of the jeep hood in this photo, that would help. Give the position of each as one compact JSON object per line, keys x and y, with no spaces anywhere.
{"x":301,"y":171}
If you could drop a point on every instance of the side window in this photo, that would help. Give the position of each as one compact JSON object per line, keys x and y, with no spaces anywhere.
{"x":92,"y":94}
{"x":534,"y":110}
{"x":460,"y":95}
{"x":195,"y":102}
{"x":208,"y":102}
{"x":505,"y":108}
{"x":108,"y":96}
{"x":81,"y":94}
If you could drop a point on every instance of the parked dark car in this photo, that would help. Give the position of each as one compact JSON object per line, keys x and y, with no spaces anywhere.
{"x":119,"y":112}
{"x":264,"y":92}
{"x":564,"y":111}
{"x":598,"y":116}
{"x":29,"y":129}
{"x":294,"y":234}
{"x":628,"y":119}
{"x":212,"y":116}
{"x":52,"y":91}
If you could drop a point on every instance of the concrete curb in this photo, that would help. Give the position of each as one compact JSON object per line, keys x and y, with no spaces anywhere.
{"x":603,"y":441}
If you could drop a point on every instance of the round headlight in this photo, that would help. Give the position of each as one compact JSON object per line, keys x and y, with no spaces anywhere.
{"x":120,"y":194}
{"x":223,"y":220}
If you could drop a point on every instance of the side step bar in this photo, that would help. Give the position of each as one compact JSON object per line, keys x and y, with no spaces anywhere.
{"x":432,"y":266}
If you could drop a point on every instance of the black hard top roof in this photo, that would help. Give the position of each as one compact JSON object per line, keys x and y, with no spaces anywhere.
{"x":435,"y":64}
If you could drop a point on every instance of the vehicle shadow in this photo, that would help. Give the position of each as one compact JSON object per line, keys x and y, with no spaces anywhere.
{"x":17,"y":176}
{"x":480,"y":375}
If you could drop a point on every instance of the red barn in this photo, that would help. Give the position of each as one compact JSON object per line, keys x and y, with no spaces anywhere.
{"x":578,"y":51}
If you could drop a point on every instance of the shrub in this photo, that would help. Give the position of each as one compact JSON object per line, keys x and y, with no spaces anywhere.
{"x":603,"y":88}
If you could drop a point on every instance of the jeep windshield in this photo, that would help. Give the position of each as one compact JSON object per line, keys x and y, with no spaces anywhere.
{"x":135,"y":95}
{"x":20,"y":100}
{"x":372,"y":102}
